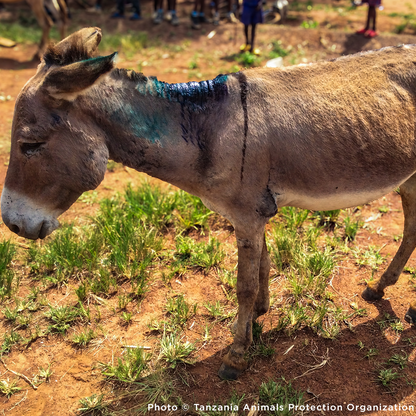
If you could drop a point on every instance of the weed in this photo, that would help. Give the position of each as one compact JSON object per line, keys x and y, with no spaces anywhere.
{"x":128,"y":369}
{"x":9,"y":341}
{"x":8,"y":388}
{"x":62,"y":317}
{"x":279,"y":395}
{"x":190,"y":212}
{"x":228,"y":278}
{"x":400,"y":360}
{"x":179,"y":310}
{"x":229,"y":409}
{"x":92,"y":405}
{"x":46,"y":373}
{"x":248,"y":59}
{"x":386,"y":376}
{"x":218,"y":312}
{"x":309,"y":24}
{"x":127,"y":317}
{"x":327,"y":219}
{"x":370,"y":257}
{"x":10,"y":314}
{"x":372,"y":352}
{"x":7,"y":252}
{"x":89,"y":198}
{"x":384,"y":209}
{"x":173,"y":351}
{"x":278,"y":50}
{"x":82,"y":339}
{"x":351,"y":228}
{"x":294,"y":217}
{"x":195,"y":254}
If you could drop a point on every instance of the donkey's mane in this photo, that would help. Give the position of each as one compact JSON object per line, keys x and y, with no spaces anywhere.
{"x":192,"y":94}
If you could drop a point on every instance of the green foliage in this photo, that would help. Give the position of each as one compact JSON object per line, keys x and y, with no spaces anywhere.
{"x":92,"y":405}
{"x":128,"y":369}
{"x":278,"y":50}
{"x":83,"y":338}
{"x":309,"y":24}
{"x":299,"y":256}
{"x":279,"y":395}
{"x":29,"y":33}
{"x":173,"y":351}
{"x":248,"y":59}
{"x":351,"y":228}
{"x":179,"y":310}
{"x":193,"y":254}
{"x":7,"y":275}
{"x":62,"y":317}
{"x":8,"y":388}
{"x":218,"y":312}
{"x":386,"y":376}
{"x":190,"y":212}
{"x":128,"y":43}
{"x":9,"y":341}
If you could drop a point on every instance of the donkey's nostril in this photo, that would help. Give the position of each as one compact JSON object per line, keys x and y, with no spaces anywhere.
{"x":14,"y":228}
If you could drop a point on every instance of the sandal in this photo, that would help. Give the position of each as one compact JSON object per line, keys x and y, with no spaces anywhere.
{"x":371,"y":34}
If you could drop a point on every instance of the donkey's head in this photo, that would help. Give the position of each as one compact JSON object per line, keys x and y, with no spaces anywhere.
{"x":55,"y":154}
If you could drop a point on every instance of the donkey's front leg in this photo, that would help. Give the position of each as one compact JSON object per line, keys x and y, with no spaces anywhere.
{"x":250,"y":246}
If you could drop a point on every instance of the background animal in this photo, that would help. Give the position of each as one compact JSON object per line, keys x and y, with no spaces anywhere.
{"x":58,"y":14}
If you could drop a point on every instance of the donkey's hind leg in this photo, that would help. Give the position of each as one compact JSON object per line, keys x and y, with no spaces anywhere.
{"x":375,"y":289}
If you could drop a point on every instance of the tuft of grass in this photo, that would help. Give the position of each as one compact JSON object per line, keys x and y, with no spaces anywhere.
{"x":8,"y":388}
{"x":199,"y":255}
{"x":83,"y":338}
{"x":62,"y":317}
{"x":247,"y":59}
{"x":173,"y":351}
{"x":351,"y":228}
{"x":7,"y":276}
{"x":190,"y":213}
{"x":179,"y":310}
{"x":130,"y":368}
{"x":92,"y":405}
{"x":302,"y":258}
{"x":279,"y":395}
{"x":218,"y":312}
{"x":387,"y":376}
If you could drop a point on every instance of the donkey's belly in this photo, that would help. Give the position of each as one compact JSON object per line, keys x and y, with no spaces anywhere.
{"x":330,"y":202}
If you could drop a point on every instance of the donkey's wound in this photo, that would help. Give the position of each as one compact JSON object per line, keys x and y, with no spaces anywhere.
{"x":323,"y":136}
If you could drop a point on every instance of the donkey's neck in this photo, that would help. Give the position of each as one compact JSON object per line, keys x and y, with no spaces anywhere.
{"x":165,"y":130}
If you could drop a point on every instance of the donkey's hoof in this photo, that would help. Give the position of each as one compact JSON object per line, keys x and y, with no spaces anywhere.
{"x":371,"y":295}
{"x":228,"y":373}
{"x":410,"y":316}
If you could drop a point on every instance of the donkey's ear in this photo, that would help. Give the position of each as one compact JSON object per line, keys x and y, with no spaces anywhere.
{"x":77,"y":47}
{"x":68,"y":81}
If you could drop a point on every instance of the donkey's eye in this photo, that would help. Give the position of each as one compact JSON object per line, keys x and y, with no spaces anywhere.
{"x":30,"y":149}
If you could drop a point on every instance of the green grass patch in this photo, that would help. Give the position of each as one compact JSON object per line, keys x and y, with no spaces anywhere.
{"x":8,"y":280}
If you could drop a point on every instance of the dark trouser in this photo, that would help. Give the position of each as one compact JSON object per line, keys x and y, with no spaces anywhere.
{"x":135,"y":3}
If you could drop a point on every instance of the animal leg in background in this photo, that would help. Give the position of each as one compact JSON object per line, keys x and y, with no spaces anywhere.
{"x":375,"y":288}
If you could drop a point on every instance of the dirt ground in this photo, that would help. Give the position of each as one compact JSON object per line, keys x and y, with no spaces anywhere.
{"x":342,"y":375}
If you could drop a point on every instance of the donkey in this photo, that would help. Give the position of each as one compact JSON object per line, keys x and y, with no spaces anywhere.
{"x":321,"y":136}
{"x":59,"y":12}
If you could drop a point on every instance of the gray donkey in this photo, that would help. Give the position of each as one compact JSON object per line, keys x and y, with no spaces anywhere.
{"x":322,"y":136}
